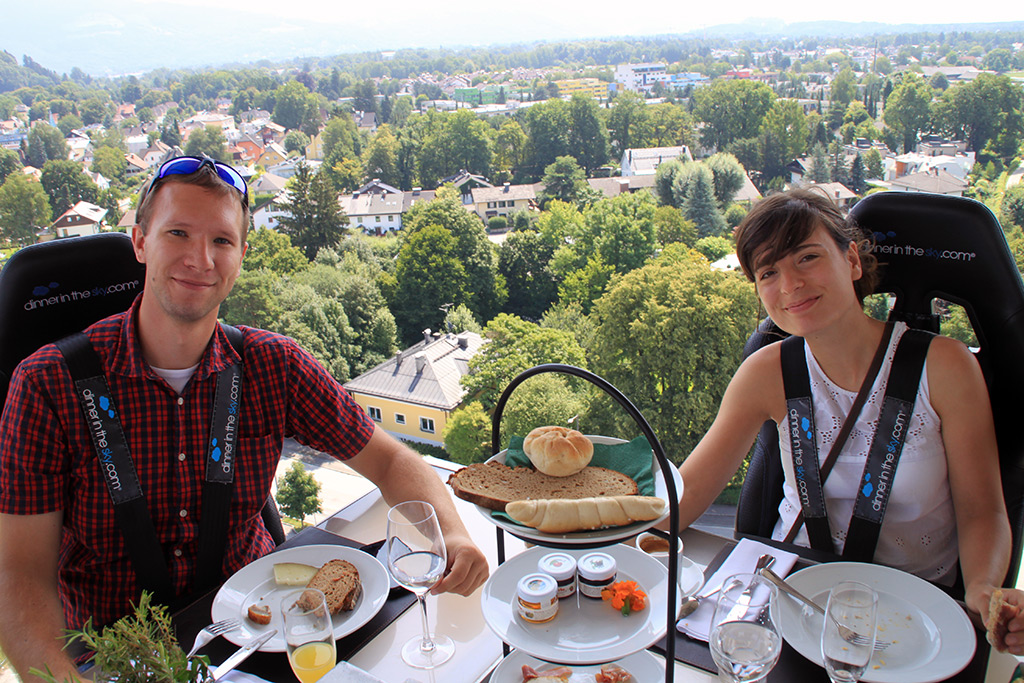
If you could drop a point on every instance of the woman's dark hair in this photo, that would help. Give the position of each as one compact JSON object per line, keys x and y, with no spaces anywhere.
{"x":780,"y":223}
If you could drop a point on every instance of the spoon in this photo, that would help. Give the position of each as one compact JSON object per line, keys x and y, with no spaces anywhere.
{"x":692,"y":602}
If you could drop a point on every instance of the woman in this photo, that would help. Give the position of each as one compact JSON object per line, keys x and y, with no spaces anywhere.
{"x":812,"y":269}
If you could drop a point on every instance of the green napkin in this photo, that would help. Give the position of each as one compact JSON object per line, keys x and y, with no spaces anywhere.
{"x":633,"y":458}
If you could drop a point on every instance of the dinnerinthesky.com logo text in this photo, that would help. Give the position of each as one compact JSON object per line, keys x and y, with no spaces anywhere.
{"x":41,"y":300}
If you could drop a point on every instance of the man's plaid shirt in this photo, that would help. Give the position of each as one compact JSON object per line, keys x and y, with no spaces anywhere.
{"x":48,"y":463}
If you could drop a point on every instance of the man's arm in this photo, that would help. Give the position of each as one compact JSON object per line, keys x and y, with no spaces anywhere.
{"x":401,"y":474}
{"x":32,"y":630}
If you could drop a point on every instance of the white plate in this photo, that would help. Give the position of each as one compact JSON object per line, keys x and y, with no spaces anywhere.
{"x":255,"y":583}
{"x":932,"y":638}
{"x":691,"y":576}
{"x":585,"y":630}
{"x":643,"y":665}
{"x":609,"y":535}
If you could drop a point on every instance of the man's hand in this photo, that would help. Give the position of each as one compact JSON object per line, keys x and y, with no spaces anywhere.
{"x":467,"y":567}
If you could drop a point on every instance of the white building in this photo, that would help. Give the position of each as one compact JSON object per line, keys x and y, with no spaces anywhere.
{"x":641,"y":77}
{"x":645,"y":161}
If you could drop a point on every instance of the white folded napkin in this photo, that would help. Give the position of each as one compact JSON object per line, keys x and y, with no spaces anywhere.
{"x":348,"y":673}
{"x":741,"y":560}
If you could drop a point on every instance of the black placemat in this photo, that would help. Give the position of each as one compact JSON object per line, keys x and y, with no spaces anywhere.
{"x":273,"y":666}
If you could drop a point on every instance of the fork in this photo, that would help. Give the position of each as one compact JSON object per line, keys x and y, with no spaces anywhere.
{"x":846,"y":633}
{"x":212,"y":631}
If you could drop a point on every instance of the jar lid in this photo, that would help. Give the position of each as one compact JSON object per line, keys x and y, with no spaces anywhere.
{"x":537,"y":588}
{"x":597,"y":566}
{"x":559,"y":565}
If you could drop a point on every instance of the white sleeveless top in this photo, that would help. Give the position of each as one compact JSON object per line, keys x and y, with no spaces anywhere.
{"x":919,"y":529}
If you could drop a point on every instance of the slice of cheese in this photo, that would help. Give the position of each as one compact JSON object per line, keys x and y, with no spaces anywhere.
{"x":293,"y":574}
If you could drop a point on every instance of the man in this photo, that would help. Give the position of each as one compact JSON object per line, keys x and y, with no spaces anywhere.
{"x":62,"y":558}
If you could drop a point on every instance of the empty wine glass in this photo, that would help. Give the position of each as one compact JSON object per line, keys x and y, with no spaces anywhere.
{"x":308,"y":634}
{"x":417,"y":559}
{"x":745,"y":642}
{"x":854,"y":606}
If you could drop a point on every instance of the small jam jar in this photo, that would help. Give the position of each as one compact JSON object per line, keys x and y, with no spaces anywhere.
{"x":596,"y":572}
{"x":562,"y":568}
{"x":537,"y":598}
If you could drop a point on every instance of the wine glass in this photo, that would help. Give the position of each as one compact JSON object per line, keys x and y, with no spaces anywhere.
{"x":417,"y":559}
{"x":308,"y":634}
{"x":745,"y":642}
{"x":848,"y":636}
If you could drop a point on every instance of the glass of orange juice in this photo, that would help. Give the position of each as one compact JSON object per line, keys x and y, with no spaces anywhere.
{"x":308,"y":634}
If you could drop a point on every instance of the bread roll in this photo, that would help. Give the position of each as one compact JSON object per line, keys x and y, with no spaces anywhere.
{"x":562,"y":516}
{"x":557,"y":451}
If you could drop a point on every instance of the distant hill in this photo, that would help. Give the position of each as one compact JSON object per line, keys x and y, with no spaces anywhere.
{"x":844,"y":29}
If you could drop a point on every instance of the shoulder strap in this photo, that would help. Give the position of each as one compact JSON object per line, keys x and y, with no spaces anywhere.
{"x":114,"y":461}
{"x":886,"y":446}
{"x":218,"y":486}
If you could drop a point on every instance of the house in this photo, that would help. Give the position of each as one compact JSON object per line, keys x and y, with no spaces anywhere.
{"x":315,"y":148}
{"x":271,"y":132}
{"x":266,"y":183}
{"x":289,"y":167}
{"x":645,"y":161}
{"x":837,"y":192}
{"x":268,"y":214}
{"x":81,"y":219}
{"x":489,"y":202}
{"x":464,"y":182}
{"x":250,"y":147}
{"x":366,"y":121}
{"x":613,"y":187}
{"x":957,"y":163}
{"x":134,"y":164}
{"x":935,"y":181}
{"x":273,"y":154}
{"x":374,"y":212}
{"x":412,"y":395}
{"x":157,"y":153}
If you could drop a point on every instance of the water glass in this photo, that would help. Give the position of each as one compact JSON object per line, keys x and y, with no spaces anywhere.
{"x":848,"y":636}
{"x":308,"y":634}
{"x":745,"y":642}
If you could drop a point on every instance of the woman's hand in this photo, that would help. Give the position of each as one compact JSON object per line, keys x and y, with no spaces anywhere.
{"x":1011,"y":611}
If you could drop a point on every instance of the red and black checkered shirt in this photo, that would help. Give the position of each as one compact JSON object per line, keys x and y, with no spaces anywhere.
{"x":48,"y":463}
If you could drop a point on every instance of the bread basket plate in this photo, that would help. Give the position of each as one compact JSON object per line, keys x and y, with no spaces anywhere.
{"x":642,"y":665}
{"x":255,"y":583}
{"x":607,"y":535}
{"x":585,"y":630}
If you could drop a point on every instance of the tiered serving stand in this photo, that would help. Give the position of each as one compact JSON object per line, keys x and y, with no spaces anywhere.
{"x":585,"y":632}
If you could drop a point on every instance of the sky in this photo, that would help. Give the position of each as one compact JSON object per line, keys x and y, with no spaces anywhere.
{"x":111,"y":37}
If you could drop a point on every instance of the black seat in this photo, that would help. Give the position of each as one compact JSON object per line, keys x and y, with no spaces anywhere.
{"x":53,"y":289}
{"x":931,"y":247}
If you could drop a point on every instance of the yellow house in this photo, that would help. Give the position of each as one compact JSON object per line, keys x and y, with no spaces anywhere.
{"x":315,"y":148}
{"x":412,"y":395}
{"x":272,"y":154}
{"x":489,"y":202}
{"x":592,"y":87}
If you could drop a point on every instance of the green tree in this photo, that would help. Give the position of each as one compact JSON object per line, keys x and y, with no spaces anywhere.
{"x":170,"y":134}
{"x":461,"y":141}
{"x":255,"y":298}
{"x":699,"y":204}
{"x":296,"y":141}
{"x":588,"y":138}
{"x":547,"y":125}
{"x":783,"y":136}
{"x":621,"y":230}
{"x":9,"y":163}
{"x":675,"y":302}
{"x":565,"y":181}
{"x":628,"y":122}
{"x":380,"y":160}
{"x":714,"y":248}
{"x":510,"y":148}
{"x":858,"y":175}
{"x":467,"y":435}
{"x":109,"y":163}
{"x":516,"y":345}
{"x":584,"y":285}
{"x":523,"y":260}
{"x":23,"y":208}
{"x":1011,"y":209}
{"x":66,"y":185}
{"x":45,"y":143}
{"x":292,"y":104}
{"x":430,"y":275}
{"x":671,"y":226}
{"x":728,"y":176}
{"x":461,"y":319}
{"x":907,"y":109}
{"x":298,"y":493}
{"x":208,"y":141}
{"x":314,"y":220}
{"x":68,"y":123}
{"x":669,"y":125}
{"x":486,"y":289}
{"x":731,"y":110}
{"x":989,"y":108}
{"x":873,"y":164}
{"x":819,"y":168}
{"x":273,"y":251}
{"x":545,"y":399}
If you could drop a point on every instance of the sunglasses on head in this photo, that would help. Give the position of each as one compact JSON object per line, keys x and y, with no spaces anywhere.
{"x":189,"y":165}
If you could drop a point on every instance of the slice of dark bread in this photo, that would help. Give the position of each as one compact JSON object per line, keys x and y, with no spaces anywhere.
{"x":493,"y":485}
{"x":339,"y":581}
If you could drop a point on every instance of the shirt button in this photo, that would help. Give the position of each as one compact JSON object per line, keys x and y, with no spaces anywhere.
{"x":183,"y":512}
{"x":181,"y":457}
{"x":181,"y":401}
{"x":177,"y":552}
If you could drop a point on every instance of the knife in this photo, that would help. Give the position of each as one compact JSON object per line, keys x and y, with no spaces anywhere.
{"x":241,"y":655}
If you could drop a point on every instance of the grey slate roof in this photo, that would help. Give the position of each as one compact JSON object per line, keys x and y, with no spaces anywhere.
{"x":426,"y":373}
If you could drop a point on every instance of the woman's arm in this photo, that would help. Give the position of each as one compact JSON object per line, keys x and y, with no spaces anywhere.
{"x":960,"y":397}
{"x":753,"y":391}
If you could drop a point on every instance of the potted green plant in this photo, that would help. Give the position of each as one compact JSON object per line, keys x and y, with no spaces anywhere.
{"x":139,"y":647}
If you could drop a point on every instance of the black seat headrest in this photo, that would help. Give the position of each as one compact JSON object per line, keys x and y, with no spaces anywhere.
{"x":52,"y":289}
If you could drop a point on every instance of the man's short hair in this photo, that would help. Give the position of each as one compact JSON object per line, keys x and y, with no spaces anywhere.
{"x":206,"y":177}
